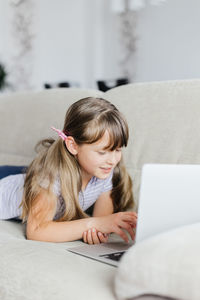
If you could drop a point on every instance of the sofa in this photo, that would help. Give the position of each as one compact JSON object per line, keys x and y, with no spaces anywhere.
{"x":164,"y":127}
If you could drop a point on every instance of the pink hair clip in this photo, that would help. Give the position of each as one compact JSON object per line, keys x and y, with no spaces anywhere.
{"x":60,"y":133}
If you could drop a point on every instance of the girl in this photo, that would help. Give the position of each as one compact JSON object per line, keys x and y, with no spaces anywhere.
{"x":82,"y":167}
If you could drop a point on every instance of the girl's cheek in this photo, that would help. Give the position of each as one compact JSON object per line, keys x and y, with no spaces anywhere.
{"x":119,"y":156}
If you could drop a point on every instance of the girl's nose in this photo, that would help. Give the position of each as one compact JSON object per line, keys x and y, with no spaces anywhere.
{"x":111,"y":158}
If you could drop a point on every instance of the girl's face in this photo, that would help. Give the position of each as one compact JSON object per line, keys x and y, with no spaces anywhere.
{"x":95,"y":161}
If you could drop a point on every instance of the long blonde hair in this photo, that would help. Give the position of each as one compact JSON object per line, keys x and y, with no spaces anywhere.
{"x":86,"y":121}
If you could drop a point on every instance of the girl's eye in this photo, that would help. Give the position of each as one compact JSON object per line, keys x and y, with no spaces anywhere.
{"x":119,"y":150}
{"x":102,"y":152}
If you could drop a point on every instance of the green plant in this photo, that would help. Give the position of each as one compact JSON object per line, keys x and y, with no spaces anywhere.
{"x":3,"y":76}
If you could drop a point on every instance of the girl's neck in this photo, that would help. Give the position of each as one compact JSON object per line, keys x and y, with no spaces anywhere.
{"x":85,"y":179}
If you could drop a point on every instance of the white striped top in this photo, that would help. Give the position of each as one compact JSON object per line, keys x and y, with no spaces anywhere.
{"x":11,"y":191}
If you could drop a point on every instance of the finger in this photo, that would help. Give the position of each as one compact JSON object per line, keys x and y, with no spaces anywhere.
{"x":129,"y":218}
{"x":133,"y":213}
{"x":103,"y":238}
{"x":95,"y":237}
{"x":129,"y":229}
{"x":89,"y":237}
{"x":122,"y":234}
{"x":133,"y":225}
{"x":85,"y":237}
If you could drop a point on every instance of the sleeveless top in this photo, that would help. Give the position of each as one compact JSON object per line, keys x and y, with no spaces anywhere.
{"x":11,"y":192}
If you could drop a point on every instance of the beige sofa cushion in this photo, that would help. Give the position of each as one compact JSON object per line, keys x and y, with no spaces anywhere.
{"x":26,"y":118}
{"x":32,"y":270}
{"x":166,"y":265}
{"x":164,"y":123}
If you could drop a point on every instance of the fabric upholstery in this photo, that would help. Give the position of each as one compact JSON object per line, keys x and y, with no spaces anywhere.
{"x":164,"y":127}
{"x":27,"y":117}
{"x":11,"y":170}
{"x":167,"y":265}
{"x":32,"y":270}
{"x":164,"y":123}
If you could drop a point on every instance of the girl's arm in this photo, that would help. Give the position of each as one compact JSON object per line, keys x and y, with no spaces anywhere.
{"x":41,"y":227}
{"x":103,"y":206}
{"x":53,"y":231}
{"x":48,"y":230}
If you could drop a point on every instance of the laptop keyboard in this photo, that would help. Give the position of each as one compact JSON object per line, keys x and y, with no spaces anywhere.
{"x":114,"y":256}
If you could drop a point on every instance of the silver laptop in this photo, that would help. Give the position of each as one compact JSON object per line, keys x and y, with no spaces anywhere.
{"x":169,"y":198}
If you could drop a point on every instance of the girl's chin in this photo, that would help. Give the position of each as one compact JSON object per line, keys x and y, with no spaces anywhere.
{"x":104,"y":173}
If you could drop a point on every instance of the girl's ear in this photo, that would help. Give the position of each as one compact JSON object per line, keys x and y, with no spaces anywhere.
{"x":71,"y":145}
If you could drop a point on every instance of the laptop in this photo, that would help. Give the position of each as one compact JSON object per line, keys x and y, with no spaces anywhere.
{"x":169,"y":198}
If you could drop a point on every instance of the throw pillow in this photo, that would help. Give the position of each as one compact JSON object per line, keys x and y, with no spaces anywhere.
{"x":11,"y":170}
{"x":166,"y":265}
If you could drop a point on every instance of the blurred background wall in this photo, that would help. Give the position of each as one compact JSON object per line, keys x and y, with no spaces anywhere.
{"x":82,"y":41}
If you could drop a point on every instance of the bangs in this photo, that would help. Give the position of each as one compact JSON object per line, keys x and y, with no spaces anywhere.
{"x":118,"y":139}
{"x":116,"y":127}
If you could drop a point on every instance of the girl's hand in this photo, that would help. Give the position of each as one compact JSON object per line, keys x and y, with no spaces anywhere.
{"x":92,"y":236}
{"x":116,"y":222}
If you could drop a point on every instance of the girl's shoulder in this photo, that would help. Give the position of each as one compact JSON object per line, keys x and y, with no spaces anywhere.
{"x":13,"y":178}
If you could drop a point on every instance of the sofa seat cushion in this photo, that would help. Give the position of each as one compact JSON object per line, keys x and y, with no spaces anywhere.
{"x":166,"y":265}
{"x":39,"y":270}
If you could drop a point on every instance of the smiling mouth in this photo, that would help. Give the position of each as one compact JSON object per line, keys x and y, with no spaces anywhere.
{"x":106,"y":169}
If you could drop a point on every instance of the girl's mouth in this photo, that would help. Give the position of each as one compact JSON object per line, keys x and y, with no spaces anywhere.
{"x":106,"y":170}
